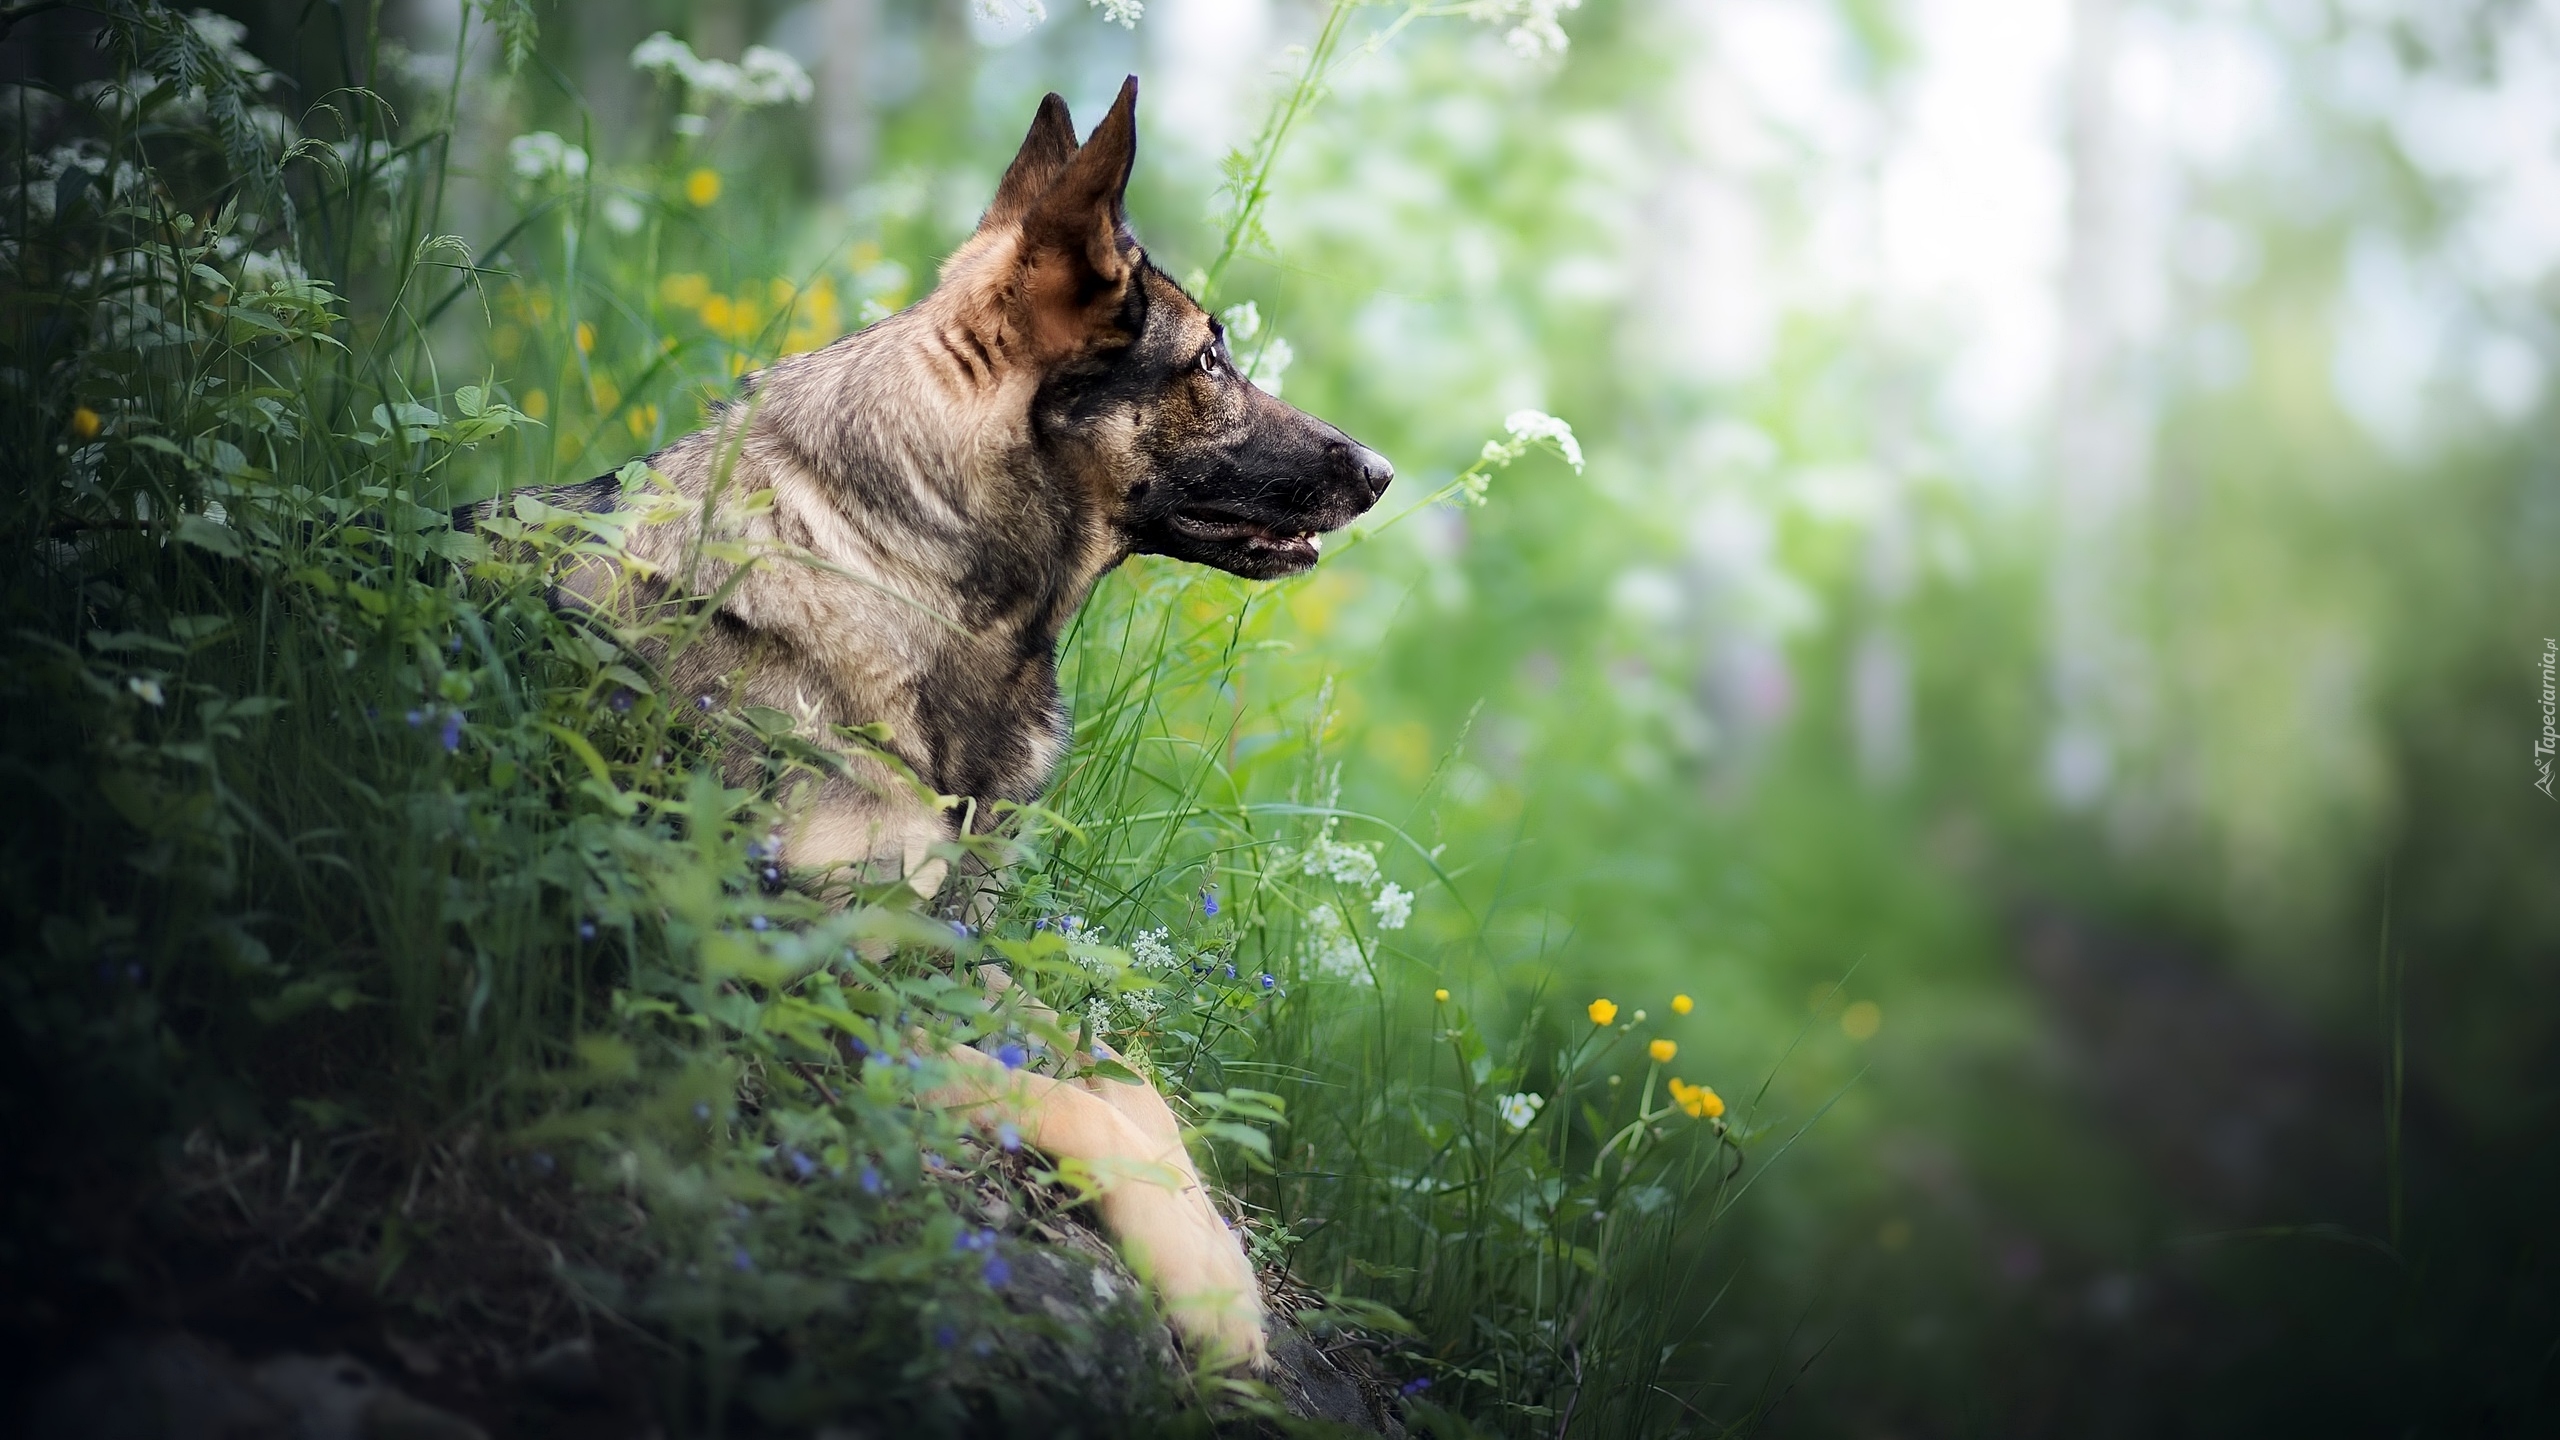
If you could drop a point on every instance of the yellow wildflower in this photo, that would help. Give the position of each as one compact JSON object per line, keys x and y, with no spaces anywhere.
{"x":586,"y":337}
{"x":1682,"y":1004}
{"x":1701,"y":1101}
{"x":1603,"y":1011}
{"x":606,"y":394}
{"x":1440,"y":995}
{"x":1862,"y":1020}
{"x":84,"y":423}
{"x":642,"y":419}
{"x":536,"y":404}
{"x":1662,"y":1051}
{"x":685,"y":289}
{"x":717,"y":312}
{"x":702,"y":186}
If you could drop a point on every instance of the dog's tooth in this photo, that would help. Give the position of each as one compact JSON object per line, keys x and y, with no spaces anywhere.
{"x":1316,"y":543}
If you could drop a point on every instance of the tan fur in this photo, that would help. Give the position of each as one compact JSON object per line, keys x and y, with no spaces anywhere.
{"x":895,"y":535}
{"x":1153,"y":1200}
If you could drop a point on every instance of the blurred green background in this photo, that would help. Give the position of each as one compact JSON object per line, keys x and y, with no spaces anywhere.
{"x":2045,"y":647}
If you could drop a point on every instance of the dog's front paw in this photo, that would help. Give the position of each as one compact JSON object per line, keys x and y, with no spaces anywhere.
{"x":1178,"y":1244}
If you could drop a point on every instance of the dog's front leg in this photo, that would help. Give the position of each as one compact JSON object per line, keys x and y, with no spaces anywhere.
{"x":1151,"y":1199}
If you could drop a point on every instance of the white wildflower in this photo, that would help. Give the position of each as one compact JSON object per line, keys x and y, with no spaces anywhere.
{"x":1529,"y":427}
{"x":1264,"y":363}
{"x":1393,"y":907}
{"x":1330,"y":949}
{"x":1518,"y":1110}
{"x":1535,"y":33}
{"x":623,"y":215}
{"x":225,"y":35}
{"x":762,"y":76}
{"x":147,"y":690}
{"x":1005,"y":12}
{"x":1268,"y":363}
{"x":662,"y":54}
{"x":766,"y":76}
{"x":541,"y":155}
{"x":1149,"y":950}
{"x":1125,"y":13}
{"x":1343,"y":864}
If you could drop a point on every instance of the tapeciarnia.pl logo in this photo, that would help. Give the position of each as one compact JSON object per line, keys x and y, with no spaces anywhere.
{"x":2550,"y":738}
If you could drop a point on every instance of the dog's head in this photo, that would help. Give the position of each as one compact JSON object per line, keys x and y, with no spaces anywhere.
{"x":1138,"y":397}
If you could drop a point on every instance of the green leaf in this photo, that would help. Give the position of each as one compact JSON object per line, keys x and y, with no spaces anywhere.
{"x":1235,"y":1134}
{"x":609,"y":1057}
{"x":1114,"y":1070}
{"x":205,"y":535}
{"x":460,"y":546}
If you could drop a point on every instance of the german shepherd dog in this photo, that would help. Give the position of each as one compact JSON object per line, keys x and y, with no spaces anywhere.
{"x":952,"y":482}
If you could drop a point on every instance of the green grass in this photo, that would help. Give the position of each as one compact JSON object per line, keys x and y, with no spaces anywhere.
{"x":338,"y":843}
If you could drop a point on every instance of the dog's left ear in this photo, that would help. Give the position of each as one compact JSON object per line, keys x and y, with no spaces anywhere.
{"x":1077,"y":252}
{"x":1036,"y":166}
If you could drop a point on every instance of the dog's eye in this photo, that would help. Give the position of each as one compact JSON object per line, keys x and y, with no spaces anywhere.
{"x":1208,"y":362}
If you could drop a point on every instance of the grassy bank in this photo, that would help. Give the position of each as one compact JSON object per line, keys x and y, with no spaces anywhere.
{"x":344,"y":859}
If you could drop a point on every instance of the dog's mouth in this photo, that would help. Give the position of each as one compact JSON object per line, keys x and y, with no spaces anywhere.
{"x":1280,"y":543}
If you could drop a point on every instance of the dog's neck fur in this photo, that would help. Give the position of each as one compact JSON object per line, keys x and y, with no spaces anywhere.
{"x":946,"y":495}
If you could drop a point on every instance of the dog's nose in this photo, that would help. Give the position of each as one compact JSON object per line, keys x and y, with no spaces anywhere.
{"x":1371,"y":468}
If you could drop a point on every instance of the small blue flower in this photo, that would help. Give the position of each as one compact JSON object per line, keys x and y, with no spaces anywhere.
{"x":998,"y":1274}
{"x":1267,"y":981}
{"x":417,"y":718}
{"x":701,"y":702}
{"x":1008,"y":1138}
{"x":757,"y":923}
{"x":742,"y":1260}
{"x":1231,"y":970}
{"x":945,"y":1336}
{"x":452,"y":730}
{"x":454,"y":644}
{"x":854,"y":1044}
{"x":586,"y":929}
{"x":702,"y":1111}
{"x":1011,"y":1055}
{"x":1101,"y":1051}
{"x":962,"y":931}
{"x":1414,"y":1386}
{"x":915,"y":1062}
{"x":773,"y":874}
{"x":621,"y":699}
{"x":802,"y":1165}
{"x":870,"y":1179}
{"x":1209,"y":903}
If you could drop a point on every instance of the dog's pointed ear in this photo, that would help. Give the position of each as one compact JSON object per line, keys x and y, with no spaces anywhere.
{"x":1043,"y":157}
{"x":1076,"y":248}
